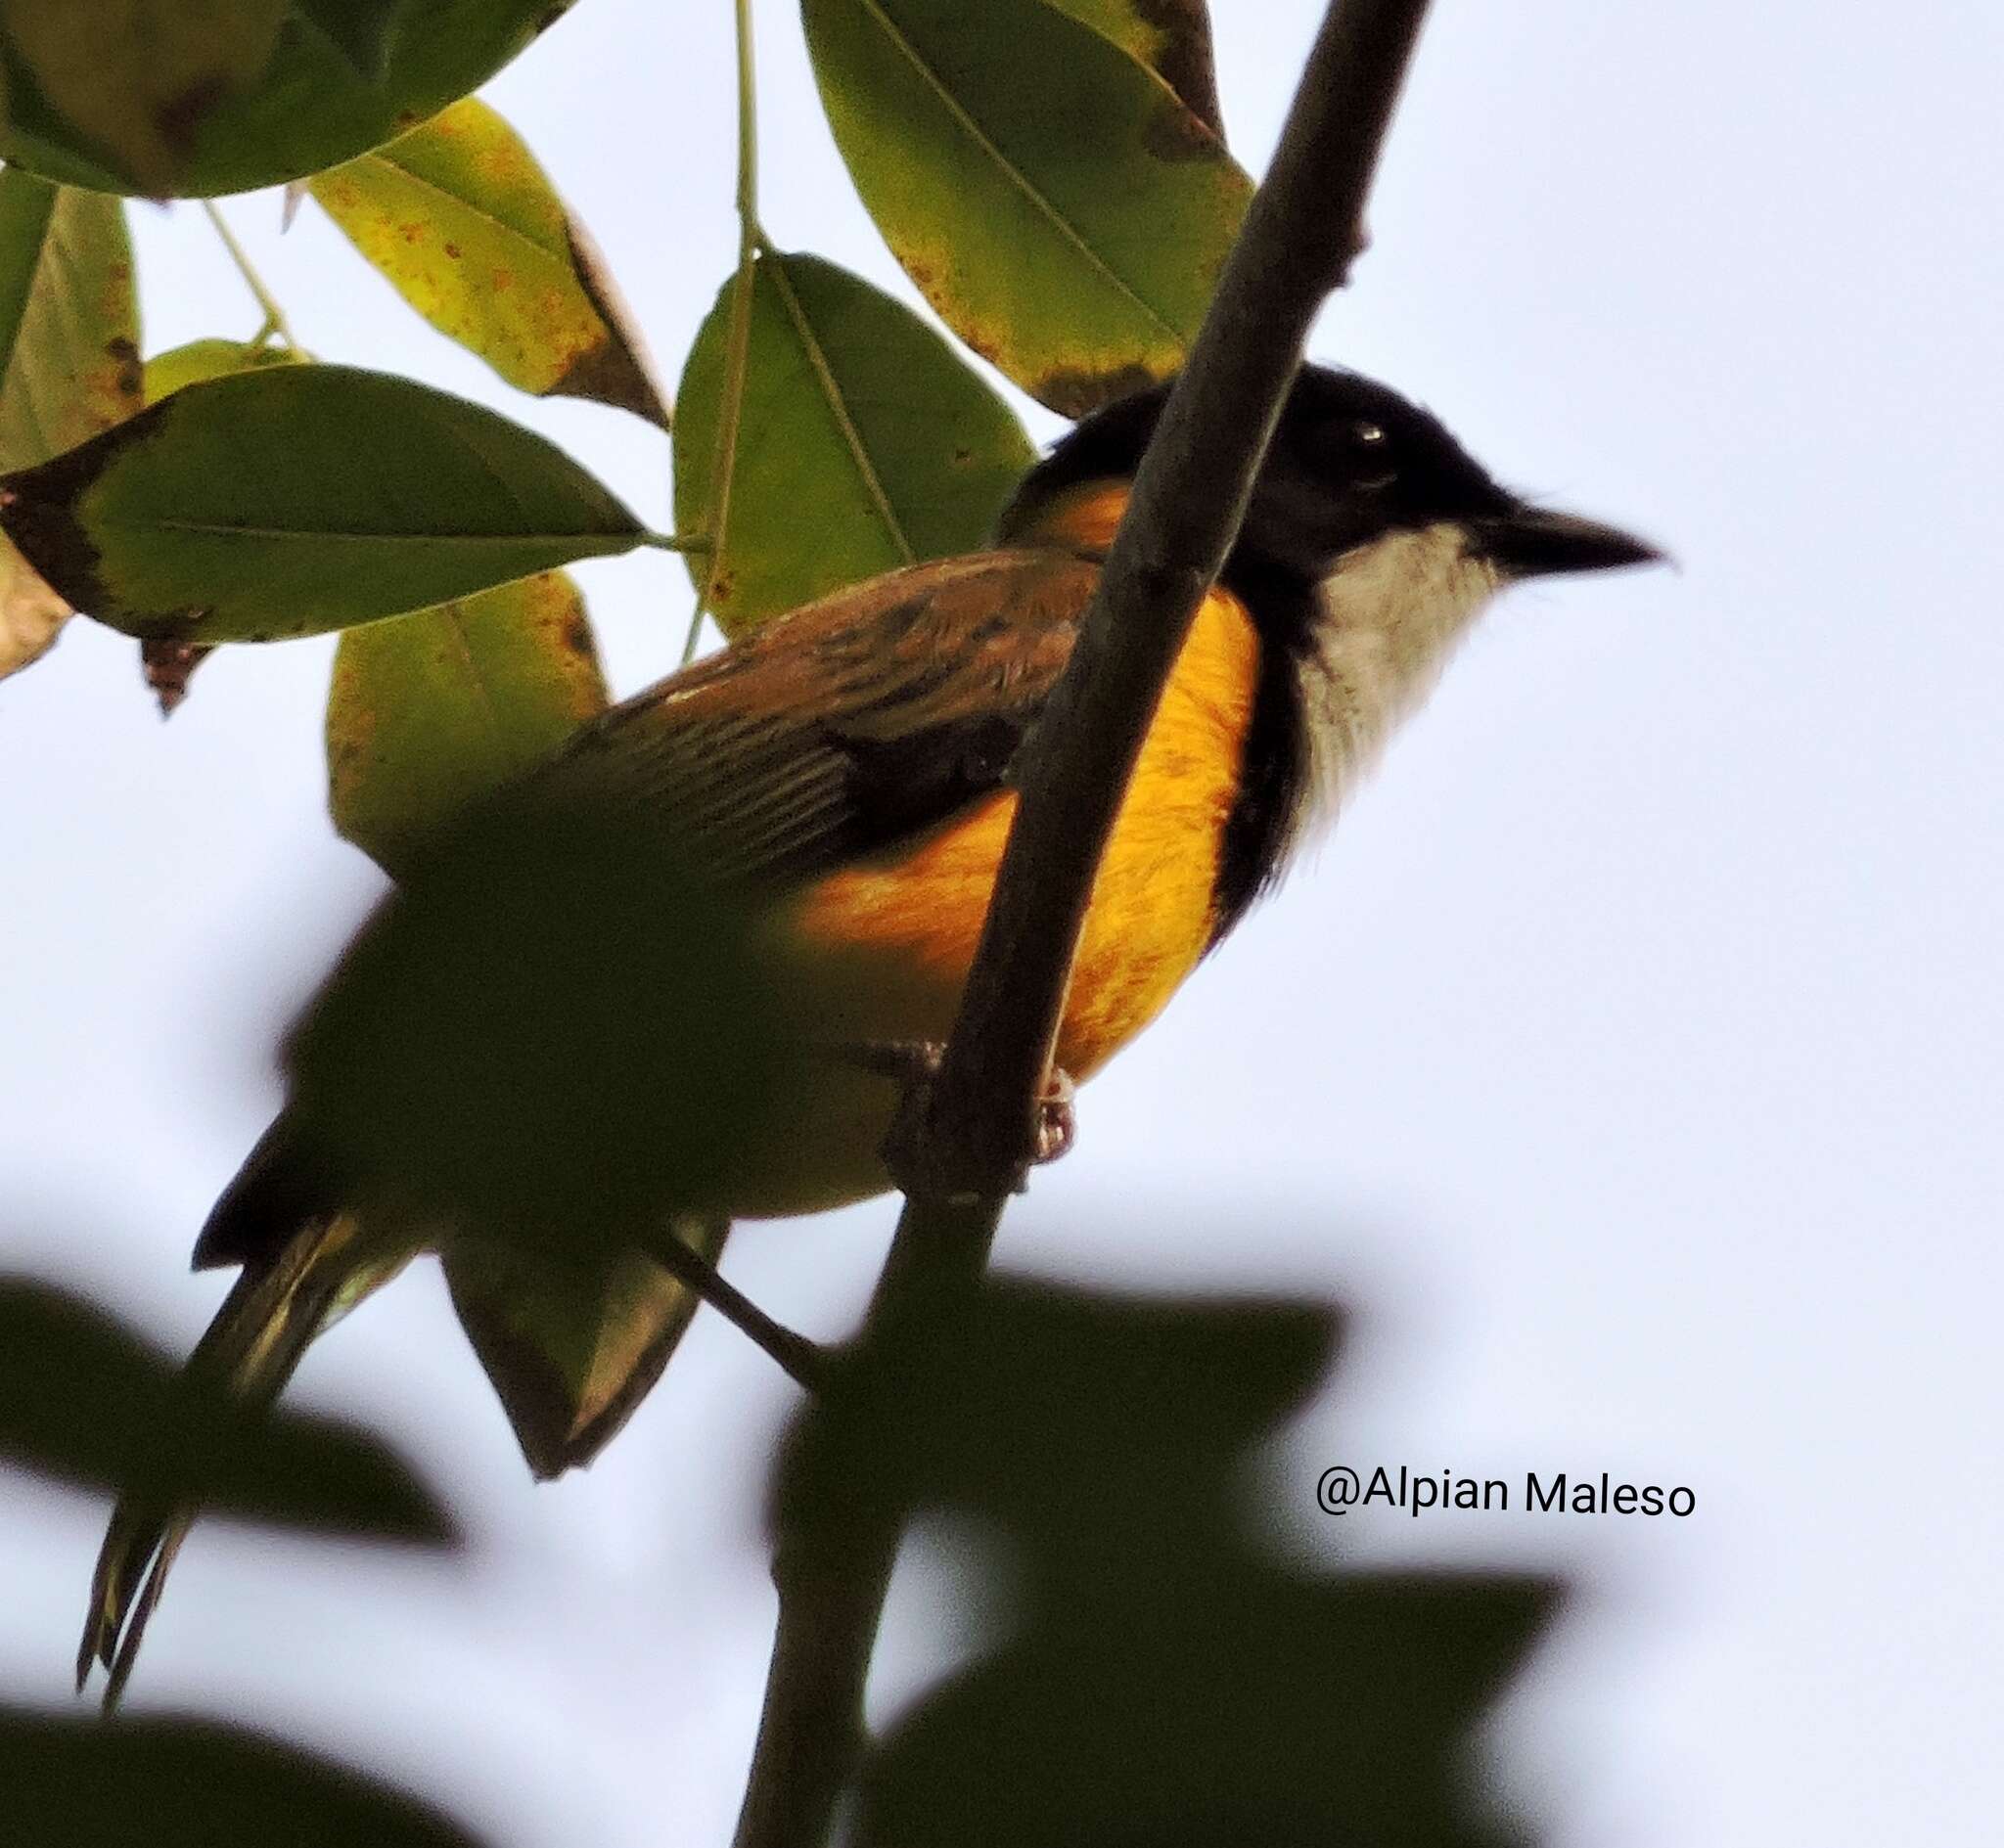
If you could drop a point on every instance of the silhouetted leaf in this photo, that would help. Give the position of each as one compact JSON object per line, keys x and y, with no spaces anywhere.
{"x":552,"y":1032}
{"x":192,"y":1783}
{"x":84,"y":1400}
{"x":573,"y":1347}
{"x":865,"y":442}
{"x":302,"y":498}
{"x":1163,"y":1680}
{"x":1060,"y":207}
{"x":245,"y":116}
{"x":427,"y":711}
{"x":458,"y":215}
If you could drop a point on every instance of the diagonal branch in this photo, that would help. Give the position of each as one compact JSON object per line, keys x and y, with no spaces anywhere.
{"x":1302,"y":231}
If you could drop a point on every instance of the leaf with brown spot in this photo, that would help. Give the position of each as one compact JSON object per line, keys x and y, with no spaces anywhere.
{"x":68,"y":360}
{"x":306,"y":106}
{"x":429,"y":711}
{"x":865,"y":442}
{"x":1172,"y":37}
{"x":466,"y":226}
{"x":1058,"y":203}
{"x":133,"y":79}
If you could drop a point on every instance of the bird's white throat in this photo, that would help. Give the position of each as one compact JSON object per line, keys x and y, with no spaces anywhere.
{"x":1391,"y":615}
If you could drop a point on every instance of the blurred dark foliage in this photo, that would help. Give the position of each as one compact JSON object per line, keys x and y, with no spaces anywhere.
{"x":189,"y":1783}
{"x":1162,"y":1682}
{"x":84,"y":1400}
{"x":547,"y":1036}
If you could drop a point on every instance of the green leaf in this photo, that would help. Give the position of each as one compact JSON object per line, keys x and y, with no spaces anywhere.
{"x":429,"y":711}
{"x":77,"y":1782}
{"x":360,"y":28}
{"x":304,"y":107}
{"x":129,"y":81}
{"x":573,"y":1348}
{"x":298,"y":499}
{"x":68,"y":319}
{"x":84,"y":1400}
{"x":865,"y":442}
{"x":1172,"y":37}
{"x":1057,"y":203}
{"x":458,"y":215}
{"x":200,"y":361}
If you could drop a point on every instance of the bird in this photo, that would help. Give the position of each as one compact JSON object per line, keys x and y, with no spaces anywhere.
{"x":669,"y":972}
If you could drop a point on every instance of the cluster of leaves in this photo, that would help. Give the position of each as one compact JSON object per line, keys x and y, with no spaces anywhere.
{"x":1064,"y":209}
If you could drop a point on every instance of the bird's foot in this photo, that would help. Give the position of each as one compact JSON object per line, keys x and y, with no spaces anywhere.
{"x":912,"y":1064}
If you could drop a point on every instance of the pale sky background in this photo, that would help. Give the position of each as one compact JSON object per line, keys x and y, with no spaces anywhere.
{"x":1630,"y":1054}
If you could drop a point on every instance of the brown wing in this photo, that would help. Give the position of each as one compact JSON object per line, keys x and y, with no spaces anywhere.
{"x":852,"y":723}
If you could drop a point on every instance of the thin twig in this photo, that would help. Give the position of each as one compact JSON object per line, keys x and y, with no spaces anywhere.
{"x":738,"y":340}
{"x":1301,"y":233}
{"x":803,"y":1361}
{"x":275,"y":321}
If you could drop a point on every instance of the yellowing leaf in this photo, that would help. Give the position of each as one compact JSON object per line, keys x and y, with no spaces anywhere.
{"x":30,"y":613}
{"x":68,"y":360}
{"x":198,"y":361}
{"x":458,"y":215}
{"x":429,"y":711}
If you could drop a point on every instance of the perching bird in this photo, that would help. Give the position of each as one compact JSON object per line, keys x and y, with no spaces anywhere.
{"x":655,"y":977}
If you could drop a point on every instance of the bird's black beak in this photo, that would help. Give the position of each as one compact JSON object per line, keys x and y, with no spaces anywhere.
{"x":1536,"y":542}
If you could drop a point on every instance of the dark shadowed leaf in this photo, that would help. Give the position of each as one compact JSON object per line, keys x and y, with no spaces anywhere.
{"x":304,"y":107}
{"x":553,"y":1031}
{"x":1058,"y":204}
{"x":573,"y":1348}
{"x":361,"y":29}
{"x":458,"y":215}
{"x":1165,"y":1679}
{"x":68,"y":360}
{"x":129,"y":83}
{"x":427,"y":711}
{"x":865,"y":442}
{"x":302,"y":498}
{"x":1172,"y":37}
{"x":71,"y":1783}
{"x":83,"y":1399}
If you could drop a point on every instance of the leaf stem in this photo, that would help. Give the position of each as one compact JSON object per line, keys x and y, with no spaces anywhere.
{"x":738,"y":347}
{"x":275,"y":321}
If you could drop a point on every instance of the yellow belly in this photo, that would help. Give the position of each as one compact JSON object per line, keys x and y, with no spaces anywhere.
{"x":881,"y":950}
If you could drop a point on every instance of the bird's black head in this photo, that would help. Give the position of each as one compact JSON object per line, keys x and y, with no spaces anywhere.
{"x":1351,"y":461}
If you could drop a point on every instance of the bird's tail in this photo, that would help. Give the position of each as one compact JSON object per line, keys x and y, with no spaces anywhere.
{"x":274,"y":1310}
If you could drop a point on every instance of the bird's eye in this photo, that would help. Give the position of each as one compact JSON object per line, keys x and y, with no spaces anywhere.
{"x":1371,"y":456}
